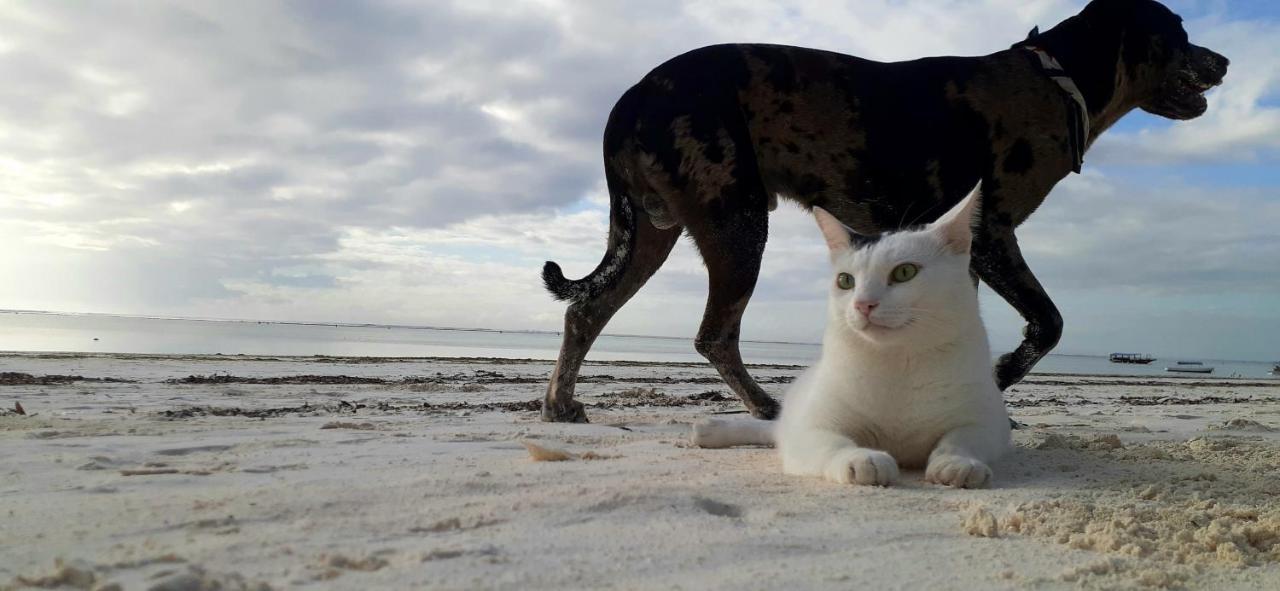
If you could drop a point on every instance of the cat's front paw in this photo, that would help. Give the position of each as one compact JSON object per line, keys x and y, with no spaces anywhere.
{"x":958,"y":471}
{"x":863,"y":466}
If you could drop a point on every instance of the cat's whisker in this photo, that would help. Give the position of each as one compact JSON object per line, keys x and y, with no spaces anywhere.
{"x":922,"y":214}
{"x":904,"y":214}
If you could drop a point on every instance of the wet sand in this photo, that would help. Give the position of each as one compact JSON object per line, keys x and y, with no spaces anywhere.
{"x":181,"y":472}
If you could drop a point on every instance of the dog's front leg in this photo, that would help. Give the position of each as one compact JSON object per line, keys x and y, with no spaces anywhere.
{"x":998,"y":262}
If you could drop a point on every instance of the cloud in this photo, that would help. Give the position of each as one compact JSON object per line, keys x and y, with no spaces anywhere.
{"x":379,"y":113}
{"x":410,"y":162}
{"x":1165,"y":238}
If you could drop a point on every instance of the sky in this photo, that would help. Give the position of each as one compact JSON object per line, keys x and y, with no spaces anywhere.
{"x":416,"y":162}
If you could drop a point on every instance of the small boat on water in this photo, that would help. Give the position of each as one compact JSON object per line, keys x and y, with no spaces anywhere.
{"x":1276,"y":368}
{"x":1190,"y":367}
{"x":1131,"y":358}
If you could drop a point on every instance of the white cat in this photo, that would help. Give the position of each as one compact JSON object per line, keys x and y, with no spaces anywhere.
{"x":905,"y":374}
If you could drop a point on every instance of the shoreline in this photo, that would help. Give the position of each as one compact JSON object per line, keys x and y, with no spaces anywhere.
{"x":1033,"y":377}
{"x":359,"y":325}
{"x":533,"y":332}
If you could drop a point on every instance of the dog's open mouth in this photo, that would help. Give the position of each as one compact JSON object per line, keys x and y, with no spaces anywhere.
{"x":1182,"y":94}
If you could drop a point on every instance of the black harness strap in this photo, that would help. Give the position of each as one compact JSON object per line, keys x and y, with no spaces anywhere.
{"x":1078,"y":116}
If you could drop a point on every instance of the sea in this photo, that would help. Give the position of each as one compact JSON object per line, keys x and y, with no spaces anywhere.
{"x":24,"y":331}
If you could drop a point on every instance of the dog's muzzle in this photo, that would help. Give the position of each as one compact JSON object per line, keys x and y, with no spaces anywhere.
{"x":1182,"y":94}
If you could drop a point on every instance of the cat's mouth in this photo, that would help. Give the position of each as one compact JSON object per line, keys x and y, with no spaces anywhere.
{"x":878,"y":325}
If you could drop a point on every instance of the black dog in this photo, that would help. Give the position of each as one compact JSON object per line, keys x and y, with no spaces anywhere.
{"x":706,"y":141}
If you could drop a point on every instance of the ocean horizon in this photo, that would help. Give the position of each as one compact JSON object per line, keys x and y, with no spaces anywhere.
{"x":35,"y":331}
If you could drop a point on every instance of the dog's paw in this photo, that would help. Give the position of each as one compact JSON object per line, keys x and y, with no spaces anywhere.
{"x":572,"y":412}
{"x":863,"y":466}
{"x":766,"y":410}
{"x":958,"y":471}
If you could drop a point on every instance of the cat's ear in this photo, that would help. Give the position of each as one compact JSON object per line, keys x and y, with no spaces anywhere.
{"x":956,"y":226}
{"x":839,"y":237}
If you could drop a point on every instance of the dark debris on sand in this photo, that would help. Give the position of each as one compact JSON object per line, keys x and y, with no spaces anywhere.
{"x":1168,"y":381}
{"x":638,"y":397}
{"x":1130,"y":400}
{"x":626,"y":399}
{"x":1174,"y":401}
{"x":343,"y":407}
{"x":605,"y":378}
{"x":13,"y":378}
{"x":275,"y":381}
{"x":1049,"y":401}
{"x":479,"y":376}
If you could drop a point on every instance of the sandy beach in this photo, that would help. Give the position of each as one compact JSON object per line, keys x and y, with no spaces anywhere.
{"x":238,"y":472}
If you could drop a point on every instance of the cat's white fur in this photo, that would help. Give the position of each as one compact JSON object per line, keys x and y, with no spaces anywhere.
{"x":909,"y":384}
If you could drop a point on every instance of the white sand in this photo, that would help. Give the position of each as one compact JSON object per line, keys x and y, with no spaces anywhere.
{"x":98,"y":488}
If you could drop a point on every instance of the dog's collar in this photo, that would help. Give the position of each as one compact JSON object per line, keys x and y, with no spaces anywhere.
{"x":1078,"y":120}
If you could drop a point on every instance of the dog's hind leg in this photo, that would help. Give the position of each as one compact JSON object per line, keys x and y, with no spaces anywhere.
{"x":587,"y":316}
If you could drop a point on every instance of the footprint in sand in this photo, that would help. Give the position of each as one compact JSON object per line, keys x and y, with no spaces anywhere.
{"x":448,"y":553}
{"x":270,"y":469}
{"x":717,"y":508}
{"x":182,"y":451}
{"x":704,"y":504}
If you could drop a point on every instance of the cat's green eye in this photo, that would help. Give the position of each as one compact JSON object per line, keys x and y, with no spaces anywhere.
{"x":904,"y":272}
{"x":844,"y":281}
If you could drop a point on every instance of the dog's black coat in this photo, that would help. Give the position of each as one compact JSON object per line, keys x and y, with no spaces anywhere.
{"x":705,"y":142}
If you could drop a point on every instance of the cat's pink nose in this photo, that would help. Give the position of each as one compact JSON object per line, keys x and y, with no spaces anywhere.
{"x":865,"y":307}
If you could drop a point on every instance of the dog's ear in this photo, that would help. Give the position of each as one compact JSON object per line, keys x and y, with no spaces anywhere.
{"x":1034,"y":31}
{"x":956,"y":226}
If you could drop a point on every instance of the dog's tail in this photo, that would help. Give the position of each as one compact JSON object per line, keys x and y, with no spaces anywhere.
{"x":715,"y":433}
{"x":622,"y":218}
{"x":622,"y":231}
